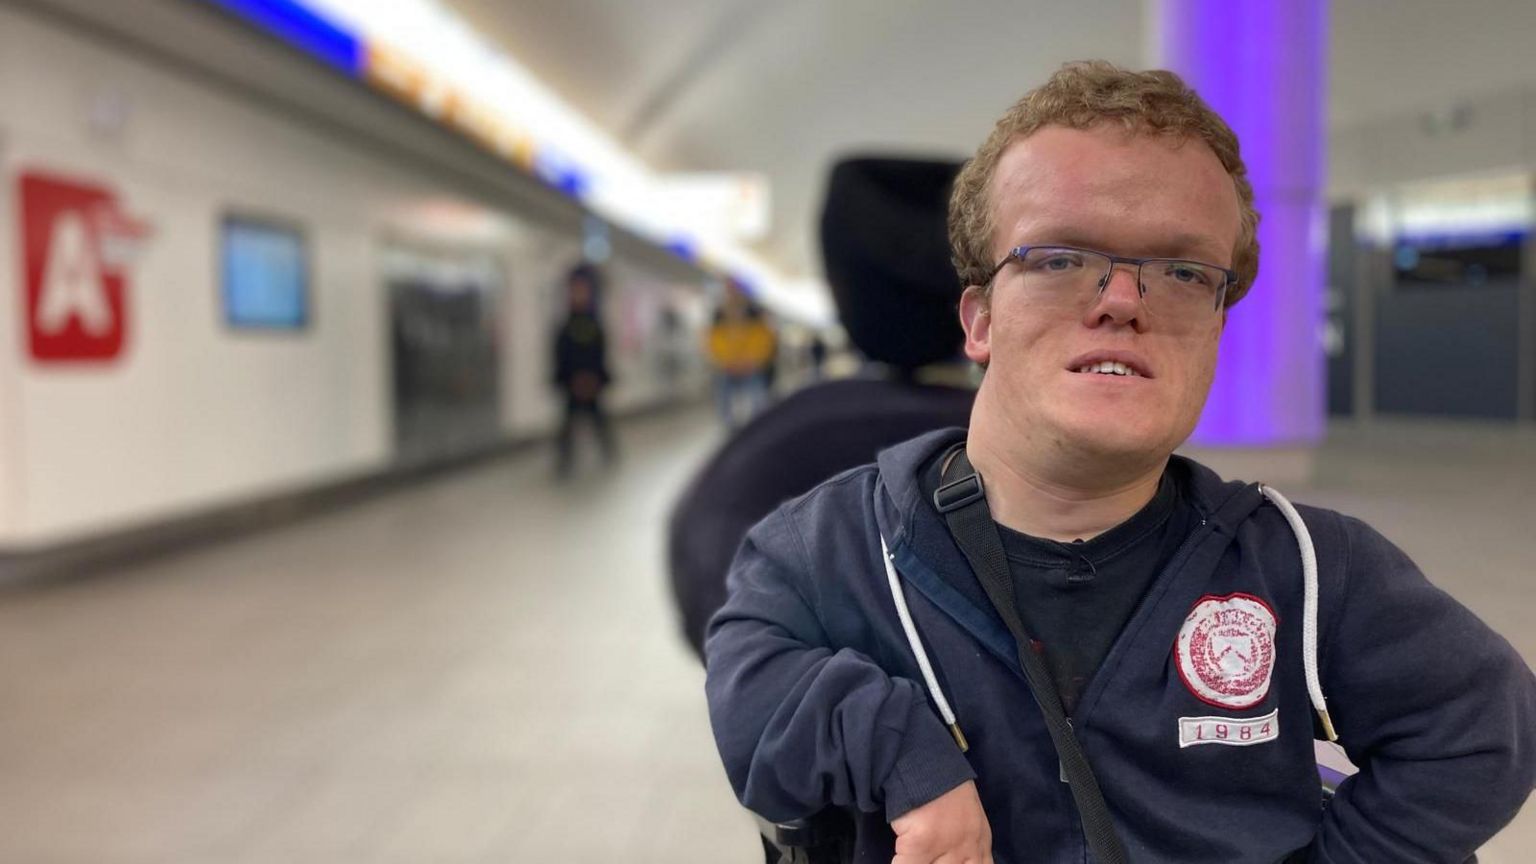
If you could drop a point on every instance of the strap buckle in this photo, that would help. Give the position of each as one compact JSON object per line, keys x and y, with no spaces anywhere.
{"x":958,"y":493}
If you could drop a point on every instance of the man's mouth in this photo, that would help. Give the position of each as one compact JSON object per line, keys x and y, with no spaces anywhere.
{"x":1109,"y":367}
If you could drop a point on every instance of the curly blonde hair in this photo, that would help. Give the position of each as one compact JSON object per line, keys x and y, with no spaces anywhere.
{"x":1077,"y":96}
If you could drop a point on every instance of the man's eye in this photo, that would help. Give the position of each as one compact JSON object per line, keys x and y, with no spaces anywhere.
{"x":1189,"y":274}
{"x":1061,"y":263}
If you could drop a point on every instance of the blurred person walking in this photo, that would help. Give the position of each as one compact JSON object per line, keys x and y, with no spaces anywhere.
{"x":581,"y":368}
{"x":816,"y":357}
{"x":741,"y":347}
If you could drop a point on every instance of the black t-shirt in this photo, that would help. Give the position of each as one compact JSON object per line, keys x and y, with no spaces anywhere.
{"x":1075,"y":598}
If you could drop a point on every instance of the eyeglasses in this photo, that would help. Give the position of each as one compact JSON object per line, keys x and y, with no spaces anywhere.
{"x":1063,"y":275}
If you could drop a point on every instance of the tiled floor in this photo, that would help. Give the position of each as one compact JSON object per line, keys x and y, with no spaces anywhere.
{"x":484,"y":668}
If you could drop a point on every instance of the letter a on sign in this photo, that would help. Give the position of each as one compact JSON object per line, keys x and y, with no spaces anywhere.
{"x":77,"y":296}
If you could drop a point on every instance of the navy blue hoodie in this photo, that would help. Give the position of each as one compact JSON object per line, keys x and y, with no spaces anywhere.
{"x":816,"y":698}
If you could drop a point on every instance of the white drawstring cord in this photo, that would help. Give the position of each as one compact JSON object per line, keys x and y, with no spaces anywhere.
{"x":1309,"y":606}
{"x":929,"y":678}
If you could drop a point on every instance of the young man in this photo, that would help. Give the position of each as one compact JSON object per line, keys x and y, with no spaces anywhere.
{"x":1105,"y":229}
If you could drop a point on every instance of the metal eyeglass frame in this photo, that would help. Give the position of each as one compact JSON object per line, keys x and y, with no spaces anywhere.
{"x":1018,"y":253}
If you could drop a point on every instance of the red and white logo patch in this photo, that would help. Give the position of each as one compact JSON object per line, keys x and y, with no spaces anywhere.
{"x":77,"y":245}
{"x":1226,"y":650}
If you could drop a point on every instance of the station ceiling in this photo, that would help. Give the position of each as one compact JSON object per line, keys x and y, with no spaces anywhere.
{"x":784,"y":87}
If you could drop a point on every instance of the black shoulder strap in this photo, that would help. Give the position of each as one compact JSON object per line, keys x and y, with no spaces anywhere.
{"x":963,"y":501}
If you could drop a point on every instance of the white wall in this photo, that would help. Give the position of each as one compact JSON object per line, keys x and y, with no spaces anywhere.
{"x":11,"y":333}
{"x":1492,"y":132}
{"x":191,"y":413}
{"x":194,"y":414}
{"x":633,"y":312}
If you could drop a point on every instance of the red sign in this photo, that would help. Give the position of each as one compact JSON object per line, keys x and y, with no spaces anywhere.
{"x":76,"y":247}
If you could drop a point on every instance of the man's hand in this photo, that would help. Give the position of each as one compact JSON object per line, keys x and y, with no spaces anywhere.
{"x":951,"y":829}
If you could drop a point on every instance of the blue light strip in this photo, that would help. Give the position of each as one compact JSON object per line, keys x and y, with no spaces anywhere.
{"x":683,"y":248}
{"x":555,"y":169}
{"x":295,"y":23}
{"x":1461,"y":238}
{"x":746,"y":286}
{"x":304,"y":29}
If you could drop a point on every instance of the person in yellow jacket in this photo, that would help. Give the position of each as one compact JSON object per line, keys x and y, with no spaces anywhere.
{"x":741,"y":346}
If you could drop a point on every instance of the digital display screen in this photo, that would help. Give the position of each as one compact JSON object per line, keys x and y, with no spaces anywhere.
{"x":1470,"y":261}
{"x":266,"y":275}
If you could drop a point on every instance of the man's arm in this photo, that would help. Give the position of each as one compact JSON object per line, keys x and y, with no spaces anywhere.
{"x":800,"y":724}
{"x":1437,"y":710}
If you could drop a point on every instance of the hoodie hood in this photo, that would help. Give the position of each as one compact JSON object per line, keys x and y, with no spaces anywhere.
{"x":904,"y":514}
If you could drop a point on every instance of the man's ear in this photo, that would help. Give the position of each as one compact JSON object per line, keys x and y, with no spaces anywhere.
{"x":976,"y":320}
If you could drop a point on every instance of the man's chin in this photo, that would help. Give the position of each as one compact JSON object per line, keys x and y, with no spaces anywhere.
{"x":1107,"y":445}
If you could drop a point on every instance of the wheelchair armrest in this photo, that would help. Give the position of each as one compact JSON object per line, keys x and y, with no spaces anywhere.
{"x":797,"y":833}
{"x":823,"y":834}
{"x":793,"y":834}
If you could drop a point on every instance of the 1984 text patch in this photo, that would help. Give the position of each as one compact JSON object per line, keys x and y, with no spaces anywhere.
{"x":1233,"y":731}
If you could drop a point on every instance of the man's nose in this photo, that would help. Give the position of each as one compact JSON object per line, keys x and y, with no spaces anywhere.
{"x":1119,"y":299}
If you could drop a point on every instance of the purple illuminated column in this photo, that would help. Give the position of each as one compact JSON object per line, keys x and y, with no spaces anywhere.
{"x":1261,"y":65}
